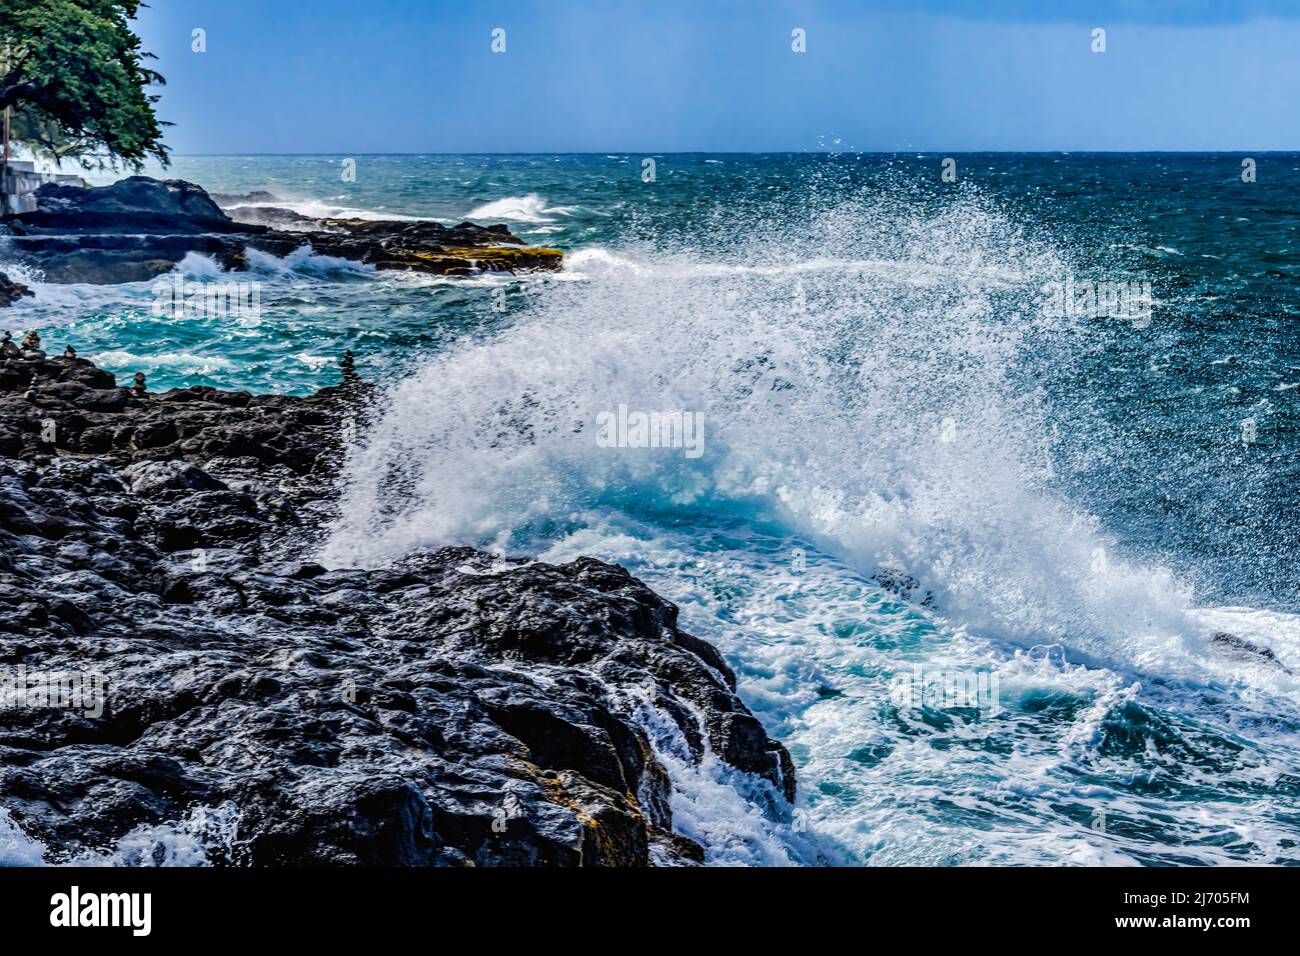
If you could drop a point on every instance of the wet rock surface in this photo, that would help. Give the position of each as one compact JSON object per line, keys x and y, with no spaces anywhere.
{"x":137,"y":204}
{"x":1238,"y":647}
{"x":139,"y":228}
{"x":451,"y":709}
{"x":11,"y":291}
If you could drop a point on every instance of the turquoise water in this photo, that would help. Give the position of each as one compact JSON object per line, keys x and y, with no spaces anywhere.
{"x":887,"y":391}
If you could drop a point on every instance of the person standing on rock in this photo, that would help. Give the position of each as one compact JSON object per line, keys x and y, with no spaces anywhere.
{"x":138,"y":388}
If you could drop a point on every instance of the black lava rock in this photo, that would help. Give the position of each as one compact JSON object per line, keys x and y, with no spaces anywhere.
{"x":447,"y":710}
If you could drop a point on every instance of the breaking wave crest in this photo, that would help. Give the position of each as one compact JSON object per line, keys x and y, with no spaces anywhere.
{"x":862,"y":386}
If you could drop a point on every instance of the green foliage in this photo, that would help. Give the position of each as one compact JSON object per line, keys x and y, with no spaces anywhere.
{"x":74,"y":74}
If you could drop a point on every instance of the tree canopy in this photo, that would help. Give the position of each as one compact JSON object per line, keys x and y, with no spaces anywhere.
{"x":74,"y":74}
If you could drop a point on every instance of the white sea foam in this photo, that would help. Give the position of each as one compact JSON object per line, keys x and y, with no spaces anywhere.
{"x":721,"y":808}
{"x":304,"y":260}
{"x":187,"y":361}
{"x":191,"y":841}
{"x":199,"y":266}
{"x":16,"y":847}
{"x":530,"y":208}
{"x":324,"y":209}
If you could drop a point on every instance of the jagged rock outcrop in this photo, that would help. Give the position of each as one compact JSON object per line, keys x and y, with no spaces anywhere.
{"x":226,"y":200}
{"x":450,"y":709}
{"x":137,"y":204}
{"x":139,"y":228}
{"x":11,"y":291}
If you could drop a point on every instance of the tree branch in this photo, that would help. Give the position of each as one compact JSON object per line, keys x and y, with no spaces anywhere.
{"x":21,"y":91}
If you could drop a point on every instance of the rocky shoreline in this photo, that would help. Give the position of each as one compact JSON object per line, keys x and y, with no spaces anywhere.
{"x":258,"y":708}
{"x":139,"y":228}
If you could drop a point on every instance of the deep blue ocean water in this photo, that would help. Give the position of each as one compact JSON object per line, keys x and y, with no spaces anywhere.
{"x":889,"y":392}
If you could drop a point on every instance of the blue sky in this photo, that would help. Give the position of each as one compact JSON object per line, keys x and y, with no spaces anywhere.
{"x":374,"y":76}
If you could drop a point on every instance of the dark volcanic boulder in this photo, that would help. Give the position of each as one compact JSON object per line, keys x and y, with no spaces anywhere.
{"x":11,"y":291}
{"x":447,"y":710}
{"x":137,"y":204}
{"x":274,"y":216}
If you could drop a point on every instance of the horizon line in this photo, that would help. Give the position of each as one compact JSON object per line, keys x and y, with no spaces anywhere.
{"x":758,"y":152}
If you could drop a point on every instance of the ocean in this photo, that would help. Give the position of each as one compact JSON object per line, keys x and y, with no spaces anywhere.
{"x":981,"y":466}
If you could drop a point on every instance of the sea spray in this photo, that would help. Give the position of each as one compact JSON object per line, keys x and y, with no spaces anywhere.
{"x":864,"y":384}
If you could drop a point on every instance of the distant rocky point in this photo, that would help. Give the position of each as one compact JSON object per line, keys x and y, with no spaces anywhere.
{"x":140,"y":227}
{"x":244,"y":199}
